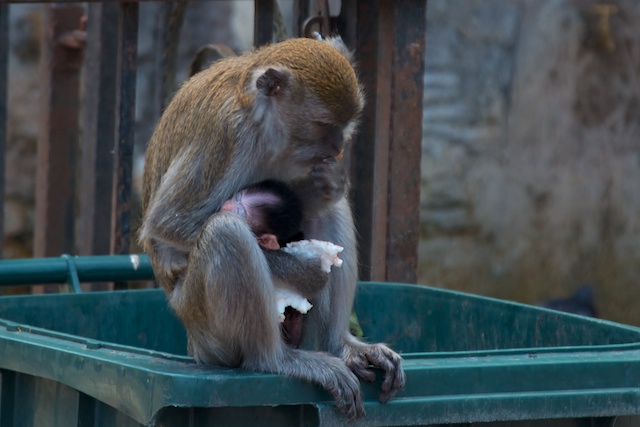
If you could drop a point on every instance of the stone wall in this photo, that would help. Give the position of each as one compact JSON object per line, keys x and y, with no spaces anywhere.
{"x":23,"y":110}
{"x":531,"y":151}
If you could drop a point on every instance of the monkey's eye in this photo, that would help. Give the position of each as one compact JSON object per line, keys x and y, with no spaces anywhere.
{"x":331,"y":136}
{"x":323,"y":126}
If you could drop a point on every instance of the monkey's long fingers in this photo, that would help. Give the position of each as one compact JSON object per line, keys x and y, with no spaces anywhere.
{"x":329,"y":178}
{"x":359,"y":365}
{"x":386,"y":359}
{"x":353,"y":408}
{"x":346,"y":393}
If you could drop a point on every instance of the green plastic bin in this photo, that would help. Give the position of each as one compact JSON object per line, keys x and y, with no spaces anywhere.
{"x":118,"y":359}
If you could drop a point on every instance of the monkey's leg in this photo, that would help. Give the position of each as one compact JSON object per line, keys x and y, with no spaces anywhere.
{"x":227,"y":303}
{"x":329,"y":318}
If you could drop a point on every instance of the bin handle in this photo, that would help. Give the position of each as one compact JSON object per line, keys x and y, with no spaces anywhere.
{"x":72,"y":276}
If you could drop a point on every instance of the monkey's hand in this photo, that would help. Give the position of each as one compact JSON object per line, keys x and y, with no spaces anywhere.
{"x":359,"y":356}
{"x":322,"y":187}
{"x":329,"y":178}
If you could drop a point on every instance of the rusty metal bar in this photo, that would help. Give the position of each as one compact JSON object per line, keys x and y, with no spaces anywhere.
{"x":406,"y":140}
{"x":370,"y":150}
{"x":300,"y":14}
{"x":172,"y":17}
{"x":4,"y":66}
{"x":128,"y":37}
{"x":58,"y":139}
{"x":385,"y":158}
{"x":98,"y":125}
{"x":346,"y":22}
{"x":263,"y":22}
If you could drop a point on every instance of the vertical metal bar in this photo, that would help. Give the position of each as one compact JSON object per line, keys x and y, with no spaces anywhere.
{"x":4,"y":66}
{"x":96,"y":186}
{"x":98,"y":126}
{"x":121,"y":225}
{"x":369,"y":156}
{"x":409,"y":25}
{"x":300,"y":14}
{"x":347,"y":22}
{"x":58,"y":139}
{"x":173,"y":13}
{"x":263,"y":22}
{"x":389,"y":44}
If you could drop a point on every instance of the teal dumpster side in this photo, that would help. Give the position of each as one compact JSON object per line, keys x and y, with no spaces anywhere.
{"x":118,"y":359}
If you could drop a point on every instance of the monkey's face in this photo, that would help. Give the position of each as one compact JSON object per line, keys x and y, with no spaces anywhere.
{"x":307,"y":95}
{"x":316,"y":133}
{"x":314,"y":141}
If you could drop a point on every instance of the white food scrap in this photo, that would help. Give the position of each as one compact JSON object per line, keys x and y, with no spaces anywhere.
{"x":286,"y":298}
{"x":326,"y":251}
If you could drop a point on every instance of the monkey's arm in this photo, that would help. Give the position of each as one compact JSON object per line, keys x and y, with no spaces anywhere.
{"x":337,"y":226}
{"x":304,"y":275}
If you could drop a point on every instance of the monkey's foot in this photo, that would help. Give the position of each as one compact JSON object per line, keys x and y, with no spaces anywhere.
{"x":331,"y":373}
{"x":361,"y":356}
{"x":345,"y":389}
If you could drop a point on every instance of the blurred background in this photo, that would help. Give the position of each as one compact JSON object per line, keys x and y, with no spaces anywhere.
{"x":531,"y":140}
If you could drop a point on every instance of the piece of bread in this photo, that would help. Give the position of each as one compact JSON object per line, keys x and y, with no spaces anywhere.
{"x":326,"y":251}
{"x":287,"y":298}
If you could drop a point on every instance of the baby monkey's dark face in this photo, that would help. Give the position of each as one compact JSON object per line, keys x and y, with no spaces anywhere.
{"x":254,"y":207}
{"x":271,"y":209}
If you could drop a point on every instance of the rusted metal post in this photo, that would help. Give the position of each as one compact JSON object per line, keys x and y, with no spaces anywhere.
{"x":58,"y":140}
{"x":263,"y":22}
{"x":172,"y":17}
{"x":98,"y":123}
{"x":121,"y":217}
{"x":403,"y":233}
{"x":300,"y":13}
{"x":385,"y":160}
{"x":4,"y":66}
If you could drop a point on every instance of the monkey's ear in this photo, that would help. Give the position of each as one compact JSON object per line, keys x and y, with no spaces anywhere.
{"x":272,"y":82}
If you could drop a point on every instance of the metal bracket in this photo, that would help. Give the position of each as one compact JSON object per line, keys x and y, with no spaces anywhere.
{"x":320,"y":23}
{"x":72,"y":273}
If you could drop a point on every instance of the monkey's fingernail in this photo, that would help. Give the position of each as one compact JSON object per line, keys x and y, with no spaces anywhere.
{"x":328,"y":160}
{"x":339,"y":156}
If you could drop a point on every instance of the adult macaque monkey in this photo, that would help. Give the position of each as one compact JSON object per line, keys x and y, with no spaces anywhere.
{"x":285,"y":112}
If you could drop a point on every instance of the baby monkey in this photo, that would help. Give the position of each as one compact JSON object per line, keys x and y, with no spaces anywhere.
{"x":272,"y":210}
{"x":274,"y":214}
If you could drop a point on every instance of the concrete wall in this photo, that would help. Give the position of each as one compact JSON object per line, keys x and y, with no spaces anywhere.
{"x":531,"y":151}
